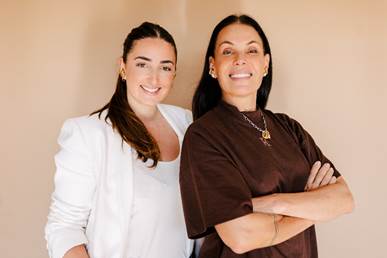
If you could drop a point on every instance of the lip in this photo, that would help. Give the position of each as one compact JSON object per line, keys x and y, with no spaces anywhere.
{"x":150,"y":90}
{"x":240,"y":75}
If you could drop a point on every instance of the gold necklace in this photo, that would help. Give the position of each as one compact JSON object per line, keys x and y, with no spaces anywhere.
{"x":264,"y":132}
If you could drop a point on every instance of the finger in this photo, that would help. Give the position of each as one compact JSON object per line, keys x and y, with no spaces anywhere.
{"x":333,"y":180}
{"x":327,"y":177}
{"x":313,"y":172}
{"x":320,"y":175}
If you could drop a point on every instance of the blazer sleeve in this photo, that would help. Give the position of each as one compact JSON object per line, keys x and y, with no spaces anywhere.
{"x":74,"y":187}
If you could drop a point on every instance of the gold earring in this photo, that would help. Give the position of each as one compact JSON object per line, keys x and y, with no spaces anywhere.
{"x":265,"y":73}
{"x":122,"y":73}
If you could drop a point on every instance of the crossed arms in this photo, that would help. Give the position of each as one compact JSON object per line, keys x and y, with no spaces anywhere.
{"x":278,"y":217}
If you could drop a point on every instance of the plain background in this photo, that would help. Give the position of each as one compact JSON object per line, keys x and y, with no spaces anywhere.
{"x":59,"y":60}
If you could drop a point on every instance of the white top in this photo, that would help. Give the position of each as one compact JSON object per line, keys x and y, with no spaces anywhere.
{"x":94,"y":189}
{"x":157,"y":214}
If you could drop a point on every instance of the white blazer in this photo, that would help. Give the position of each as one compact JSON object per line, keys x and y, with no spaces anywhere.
{"x":92,"y":200}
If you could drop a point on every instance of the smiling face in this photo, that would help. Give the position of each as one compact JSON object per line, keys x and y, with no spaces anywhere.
{"x":149,"y":71}
{"x":239,"y":63}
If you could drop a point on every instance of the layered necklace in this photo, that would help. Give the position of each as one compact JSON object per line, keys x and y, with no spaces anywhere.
{"x":265,"y":134}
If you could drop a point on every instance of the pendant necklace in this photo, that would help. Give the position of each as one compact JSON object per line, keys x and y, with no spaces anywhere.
{"x":265,"y":134}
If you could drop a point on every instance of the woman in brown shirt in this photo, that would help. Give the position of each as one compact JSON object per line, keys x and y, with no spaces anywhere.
{"x":252,"y":182}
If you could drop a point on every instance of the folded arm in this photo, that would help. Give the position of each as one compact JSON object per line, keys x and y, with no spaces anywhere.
{"x":325,"y":198}
{"x":258,"y":230}
{"x":322,"y":204}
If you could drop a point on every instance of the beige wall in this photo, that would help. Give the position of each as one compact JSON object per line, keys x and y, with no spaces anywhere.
{"x":58,"y":60}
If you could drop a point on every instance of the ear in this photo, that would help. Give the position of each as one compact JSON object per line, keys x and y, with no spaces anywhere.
{"x":267,"y":62}
{"x":121,"y":64}
{"x":211,"y":62}
{"x":122,"y":71}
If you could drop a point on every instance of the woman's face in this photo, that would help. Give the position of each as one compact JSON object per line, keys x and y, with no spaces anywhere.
{"x":239,"y":62}
{"x":149,"y":71}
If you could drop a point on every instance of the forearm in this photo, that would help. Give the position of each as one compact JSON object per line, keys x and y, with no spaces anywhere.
{"x":77,"y":252}
{"x":322,"y":204}
{"x":258,"y":230}
{"x":288,"y":227}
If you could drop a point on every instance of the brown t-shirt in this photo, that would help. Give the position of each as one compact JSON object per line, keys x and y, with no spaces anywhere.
{"x":224,"y":164}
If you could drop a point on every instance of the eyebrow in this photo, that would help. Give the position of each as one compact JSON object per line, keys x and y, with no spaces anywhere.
{"x":229,"y":42}
{"x":225,"y":42}
{"x":149,"y":60}
{"x":167,"y":62}
{"x":143,"y":58}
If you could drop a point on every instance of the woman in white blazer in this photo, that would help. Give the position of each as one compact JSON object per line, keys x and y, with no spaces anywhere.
{"x":116,"y":184}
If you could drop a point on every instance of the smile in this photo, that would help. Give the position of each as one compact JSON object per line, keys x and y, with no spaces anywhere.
{"x":150,"y":90}
{"x":240,"y":75}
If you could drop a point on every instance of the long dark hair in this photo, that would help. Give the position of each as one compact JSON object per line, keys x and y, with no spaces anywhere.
{"x":208,"y":92}
{"x":121,"y":115}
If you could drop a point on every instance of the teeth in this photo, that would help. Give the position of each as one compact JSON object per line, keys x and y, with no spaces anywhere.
{"x":240,"y":75}
{"x":151,"y":90}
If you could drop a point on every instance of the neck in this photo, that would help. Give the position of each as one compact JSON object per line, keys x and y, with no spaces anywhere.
{"x":243,"y":103}
{"x":143,"y":111}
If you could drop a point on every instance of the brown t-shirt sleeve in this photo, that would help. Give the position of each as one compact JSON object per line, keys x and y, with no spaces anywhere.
{"x":212,"y":189}
{"x":308,"y":146}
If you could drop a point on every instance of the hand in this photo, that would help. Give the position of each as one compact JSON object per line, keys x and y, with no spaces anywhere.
{"x":320,"y":176}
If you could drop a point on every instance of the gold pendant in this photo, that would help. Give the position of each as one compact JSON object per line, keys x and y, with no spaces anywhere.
{"x":265,"y":142}
{"x":266,"y":135}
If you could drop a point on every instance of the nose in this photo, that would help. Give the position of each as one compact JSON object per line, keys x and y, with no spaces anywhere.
{"x":240,"y":59}
{"x":155,"y":77}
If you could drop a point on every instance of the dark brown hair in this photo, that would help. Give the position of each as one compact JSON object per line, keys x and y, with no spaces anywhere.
{"x":121,"y":115}
{"x":208,"y":92}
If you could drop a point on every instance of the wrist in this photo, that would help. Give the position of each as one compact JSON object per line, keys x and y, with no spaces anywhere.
{"x":272,"y":204}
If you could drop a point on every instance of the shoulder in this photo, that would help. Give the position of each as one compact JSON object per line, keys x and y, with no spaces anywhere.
{"x":277,"y":116}
{"x":178,"y":115}
{"x":89,"y":123}
{"x":282,"y":118}
{"x":176,"y":111}
{"x":85,"y":128}
{"x":206,"y":126}
{"x":290,"y":124}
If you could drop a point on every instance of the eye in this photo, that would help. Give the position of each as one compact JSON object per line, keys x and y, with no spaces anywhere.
{"x":252,"y":51}
{"x":142,"y":65}
{"x":226,"y":52}
{"x":166,"y":68}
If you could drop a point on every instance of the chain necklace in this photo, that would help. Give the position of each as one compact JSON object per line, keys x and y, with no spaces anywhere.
{"x":265,"y":134}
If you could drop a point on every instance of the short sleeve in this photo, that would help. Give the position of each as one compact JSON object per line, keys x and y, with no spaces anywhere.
{"x":308,"y":146}
{"x":73,"y":193}
{"x":212,"y":189}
